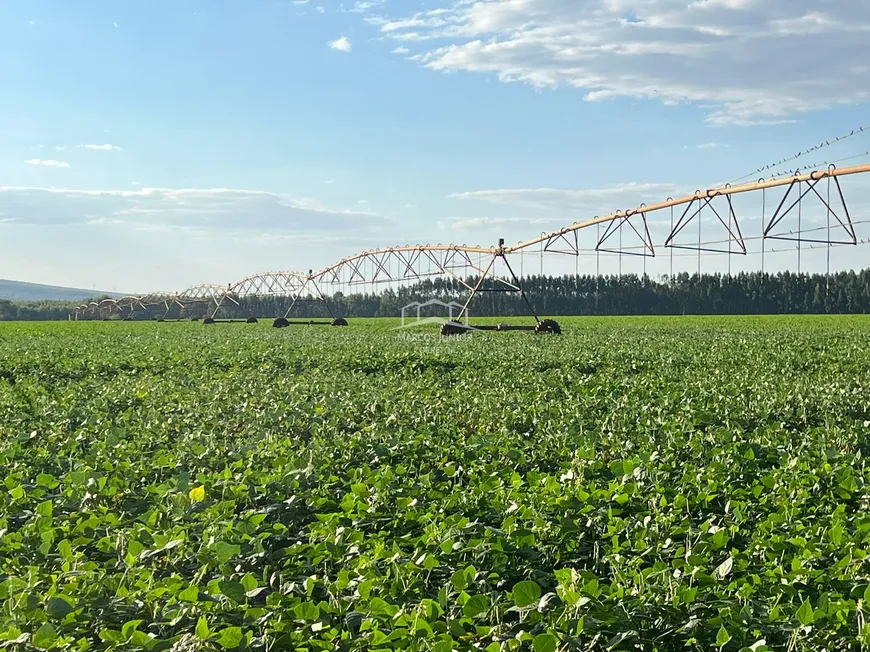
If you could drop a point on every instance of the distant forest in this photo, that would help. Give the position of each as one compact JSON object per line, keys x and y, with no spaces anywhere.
{"x":685,"y":294}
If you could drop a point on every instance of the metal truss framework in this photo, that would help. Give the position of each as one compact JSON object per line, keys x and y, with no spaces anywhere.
{"x":295,"y":286}
{"x":475,"y":268}
{"x":805,"y":186}
{"x":205,"y":293}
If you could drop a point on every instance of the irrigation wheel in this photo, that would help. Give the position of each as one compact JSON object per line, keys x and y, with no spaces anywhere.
{"x":548,"y":326}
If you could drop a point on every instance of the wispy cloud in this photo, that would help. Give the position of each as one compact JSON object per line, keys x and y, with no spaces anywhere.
{"x":626,"y":194}
{"x":50,"y":163}
{"x":473,"y":223}
{"x":341,"y":44}
{"x":103,"y":148}
{"x":401,"y":50}
{"x":214,"y":210}
{"x":660,"y":50}
{"x":710,"y":145}
{"x":60,"y":148}
{"x":362,"y":6}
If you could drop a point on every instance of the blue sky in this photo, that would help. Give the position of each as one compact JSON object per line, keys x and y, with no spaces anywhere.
{"x":163,"y":144}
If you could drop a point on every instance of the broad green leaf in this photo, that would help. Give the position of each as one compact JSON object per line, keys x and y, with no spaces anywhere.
{"x":444,"y":644}
{"x":59,"y":607}
{"x":190,"y":594}
{"x":722,"y":636}
{"x":545,"y":643}
{"x":129,"y":627}
{"x":46,"y":480}
{"x":112,"y":636}
{"x":225,"y":551}
{"x":249,"y":582}
{"x":230,"y":638}
{"x":140,"y":639}
{"x":526,"y":593}
{"x":45,"y":637}
{"x":805,"y":613}
{"x":64,"y":548}
{"x":202,"y":630}
{"x":233,"y":590}
{"x":475,"y":606}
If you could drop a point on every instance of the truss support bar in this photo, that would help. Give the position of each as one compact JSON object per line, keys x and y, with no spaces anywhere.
{"x":679,"y":201}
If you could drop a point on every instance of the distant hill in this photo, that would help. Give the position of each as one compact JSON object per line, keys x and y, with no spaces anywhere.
{"x":21,"y":291}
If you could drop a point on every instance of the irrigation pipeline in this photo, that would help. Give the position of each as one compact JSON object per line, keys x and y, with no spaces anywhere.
{"x":687,"y":199}
{"x":449,"y":259}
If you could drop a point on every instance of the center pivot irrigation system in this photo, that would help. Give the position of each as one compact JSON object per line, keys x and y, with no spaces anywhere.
{"x":807,"y":209}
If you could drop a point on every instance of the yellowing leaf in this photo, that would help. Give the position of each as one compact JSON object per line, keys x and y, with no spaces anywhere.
{"x":197,"y":494}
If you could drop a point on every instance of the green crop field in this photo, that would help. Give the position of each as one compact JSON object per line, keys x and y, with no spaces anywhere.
{"x":635,"y":484}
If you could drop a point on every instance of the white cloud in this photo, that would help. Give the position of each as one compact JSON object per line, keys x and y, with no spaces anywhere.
{"x":363,"y":201}
{"x":330,"y":181}
{"x":60,"y":148}
{"x":363,"y":6}
{"x":401,"y":50}
{"x":342,"y":44}
{"x":709,"y":145}
{"x":202,"y":210}
{"x":135,"y":183}
{"x":482,"y":223}
{"x":746,"y":61}
{"x":627,"y":195}
{"x":103,"y":148}
{"x":51,"y":163}
{"x":409,"y":206}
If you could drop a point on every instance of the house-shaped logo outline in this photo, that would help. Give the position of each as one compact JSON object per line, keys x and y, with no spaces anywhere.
{"x":417,"y":307}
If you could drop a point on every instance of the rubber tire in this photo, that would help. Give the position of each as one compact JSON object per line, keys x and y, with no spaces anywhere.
{"x":548,"y":326}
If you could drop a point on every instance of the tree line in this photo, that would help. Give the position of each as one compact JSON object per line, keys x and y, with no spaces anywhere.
{"x":684,"y":294}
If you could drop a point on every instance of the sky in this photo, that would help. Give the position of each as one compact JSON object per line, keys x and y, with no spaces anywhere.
{"x":157,"y":145}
